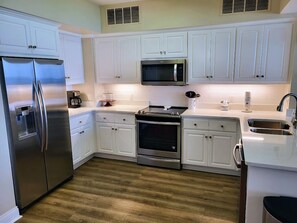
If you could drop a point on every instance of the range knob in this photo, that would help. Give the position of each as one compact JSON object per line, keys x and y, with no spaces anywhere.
{"x":141,"y":112}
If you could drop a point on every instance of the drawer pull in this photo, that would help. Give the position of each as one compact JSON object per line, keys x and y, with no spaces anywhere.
{"x":81,"y":132}
{"x":206,"y":137}
{"x":80,"y":121}
{"x":104,"y":118}
{"x":112,"y":128}
{"x":210,"y":137}
{"x":222,"y":126}
{"x":124,"y":119}
{"x":115,"y":129}
{"x":195,"y":124}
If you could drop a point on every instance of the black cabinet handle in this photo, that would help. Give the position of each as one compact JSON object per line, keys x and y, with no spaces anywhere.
{"x":195,"y":124}
{"x":262,"y":76}
{"x":206,"y":137}
{"x":210,"y":137}
{"x":124,"y":119}
{"x":222,"y":126}
{"x":257,"y":76}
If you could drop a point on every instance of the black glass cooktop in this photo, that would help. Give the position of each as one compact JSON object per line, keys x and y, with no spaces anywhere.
{"x":163,"y":110}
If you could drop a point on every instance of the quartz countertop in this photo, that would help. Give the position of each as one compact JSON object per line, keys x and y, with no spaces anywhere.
{"x":261,"y":150}
{"x":115,"y":108}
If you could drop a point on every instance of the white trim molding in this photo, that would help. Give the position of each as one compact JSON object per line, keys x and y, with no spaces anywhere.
{"x":10,"y":216}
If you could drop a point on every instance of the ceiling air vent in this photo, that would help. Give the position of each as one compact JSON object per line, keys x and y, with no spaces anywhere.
{"x":235,"y":6}
{"x":123,"y":15}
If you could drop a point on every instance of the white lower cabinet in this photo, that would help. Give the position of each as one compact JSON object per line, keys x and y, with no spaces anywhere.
{"x":209,"y":142}
{"x":82,"y":137}
{"x":116,"y":134}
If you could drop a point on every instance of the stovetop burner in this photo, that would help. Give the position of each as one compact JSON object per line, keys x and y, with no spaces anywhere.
{"x":162,"y":110}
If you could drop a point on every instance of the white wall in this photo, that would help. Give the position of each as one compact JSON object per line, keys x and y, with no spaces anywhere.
{"x":263,"y":96}
{"x":7,"y":198}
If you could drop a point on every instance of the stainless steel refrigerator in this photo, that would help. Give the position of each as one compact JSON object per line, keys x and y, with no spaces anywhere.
{"x":38,"y":125}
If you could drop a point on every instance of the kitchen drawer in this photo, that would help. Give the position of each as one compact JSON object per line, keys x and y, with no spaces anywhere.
{"x":104,"y":117}
{"x":196,"y":124}
{"x":124,"y":119}
{"x":219,"y":125}
{"x":80,"y":120}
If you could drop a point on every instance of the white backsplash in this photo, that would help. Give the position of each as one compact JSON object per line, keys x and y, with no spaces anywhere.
{"x":263,"y":97}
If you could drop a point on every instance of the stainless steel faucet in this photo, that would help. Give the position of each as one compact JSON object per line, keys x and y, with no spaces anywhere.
{"x":280,"y":107}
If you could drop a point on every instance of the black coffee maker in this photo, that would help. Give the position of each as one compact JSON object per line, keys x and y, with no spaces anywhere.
{"x":73,"y":98}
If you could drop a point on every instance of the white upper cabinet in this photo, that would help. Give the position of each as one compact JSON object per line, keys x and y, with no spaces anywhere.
{"x":14,"y":35}
{"x":211,"y":56}
{"x":117,"y":59}
{"x":263,"y":53}
{"x":164,"y":45}
{"x":71,"y":53}
{"x":21,"y":37}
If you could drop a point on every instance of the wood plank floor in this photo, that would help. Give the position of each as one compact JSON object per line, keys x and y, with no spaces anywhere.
{"x":105,"y":190}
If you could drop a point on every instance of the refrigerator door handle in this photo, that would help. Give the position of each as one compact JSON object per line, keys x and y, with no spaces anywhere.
{"x":35,"y":90}
{"x":44,"y":116}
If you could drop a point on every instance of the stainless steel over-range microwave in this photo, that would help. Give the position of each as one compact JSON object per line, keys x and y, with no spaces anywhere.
{"x":163,"y":72}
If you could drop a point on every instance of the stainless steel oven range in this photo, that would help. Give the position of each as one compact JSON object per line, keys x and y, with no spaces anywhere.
{"x":159,"y":136}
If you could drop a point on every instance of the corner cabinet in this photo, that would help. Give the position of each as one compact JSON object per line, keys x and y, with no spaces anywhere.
{"x":71,"y":53}
{"x":164,"y":45}
{"x":82,"y":138}
{"x":117,"y":59}
{"x":211,"y":56}
{"x":21,"y":37}
{"x":116,"y":134}
{"x":209,"y":142}
{"x":263,"y":53}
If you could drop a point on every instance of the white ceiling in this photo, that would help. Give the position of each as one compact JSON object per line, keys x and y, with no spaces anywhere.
{"x":110,"y":2}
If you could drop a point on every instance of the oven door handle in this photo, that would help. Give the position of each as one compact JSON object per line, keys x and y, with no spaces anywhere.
{"x":237,"y":147}
{"x":158,"y":123}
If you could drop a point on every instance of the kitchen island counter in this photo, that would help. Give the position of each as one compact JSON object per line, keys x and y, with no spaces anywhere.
{"x":260,"y":150}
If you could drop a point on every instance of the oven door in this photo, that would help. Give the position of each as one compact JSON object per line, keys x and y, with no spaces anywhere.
{"x":157,"y":138}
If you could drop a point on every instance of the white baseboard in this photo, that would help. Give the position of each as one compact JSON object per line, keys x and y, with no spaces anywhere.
{"x":78,"y":164}
{"x":211,"y":169}
{"x":10,"y":216}
{"x":116,"y":157}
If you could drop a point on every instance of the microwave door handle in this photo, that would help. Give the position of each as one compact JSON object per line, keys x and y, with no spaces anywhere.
{"x":175,"y":72}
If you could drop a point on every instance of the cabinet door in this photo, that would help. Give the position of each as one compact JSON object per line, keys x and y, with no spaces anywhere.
{"x":45,"y":40}
{"x":14,"y":36}
{"x":125,"y":140}
{"x":199,"y":56}
{"x":76,"y":142}
{"x":89,"y":141}
{"x":249,"y":45}
{"x":129,"y":59}
{"x":71,"y":50}
{"x":222,"y":55}
{"x":220,"y":149}
{"x":175,"y":44}
{"x":276,"y":53}
{"x":152,"y":46}
{"x":105,"y":137}
{"x":105,"y":60}
{"x":194,"y":147}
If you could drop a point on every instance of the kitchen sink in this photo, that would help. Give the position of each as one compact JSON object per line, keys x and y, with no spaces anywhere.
{"x":271,"y":131}
{"x":268,"y":124}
